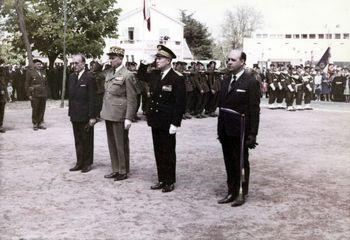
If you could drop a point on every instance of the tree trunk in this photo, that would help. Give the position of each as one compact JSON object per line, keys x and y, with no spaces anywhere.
{"x":23,"y":29}
{"x":52,"y":59}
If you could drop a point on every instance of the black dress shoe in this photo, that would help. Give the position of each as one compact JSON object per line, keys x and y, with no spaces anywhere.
{"x":168,"y":187}
{"x":86,"y":169}
{"x":120,"y":177}
{"x":229,"y":198}
{"x":35,"y":127}
{"x":158,"y":185}
{"x":41,"y":127}
{"x":240,"y":200}
{"x":75,"y":168}
{"x":111,"y":175}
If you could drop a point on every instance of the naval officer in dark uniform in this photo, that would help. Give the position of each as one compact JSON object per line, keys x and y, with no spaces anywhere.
{"x":240,"y":92}
{"x":166,"y":107}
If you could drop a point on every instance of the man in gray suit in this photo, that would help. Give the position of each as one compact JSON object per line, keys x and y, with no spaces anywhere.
{"x":118,"y":110}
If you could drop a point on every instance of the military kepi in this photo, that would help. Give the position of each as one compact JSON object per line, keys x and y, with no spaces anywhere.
{"x":163,"y":51}
{"x":117,"y":51}
{"x":37,"y":60}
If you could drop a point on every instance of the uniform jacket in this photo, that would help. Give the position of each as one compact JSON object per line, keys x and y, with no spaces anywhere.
{"x":82,"y":97}
{"x":120,"y":98}
{"x":3,"y":90}
{"x":36,"y":84}
{"x":168,"y":97}
{"x":244,"y":98}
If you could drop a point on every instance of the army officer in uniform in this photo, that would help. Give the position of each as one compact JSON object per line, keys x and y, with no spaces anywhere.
{"x":118,"y":109}
{"x":37,"y":89}
{"x":166,"y":107}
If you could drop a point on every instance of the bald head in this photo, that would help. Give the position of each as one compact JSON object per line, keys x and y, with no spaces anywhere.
{"x":236,"y":60}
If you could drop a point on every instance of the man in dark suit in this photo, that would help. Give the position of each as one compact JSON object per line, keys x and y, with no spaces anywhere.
{"x":82,"y":112}
{"x":166,"y":107}
{"x":240,"y":92}
{"x":37,"y":91}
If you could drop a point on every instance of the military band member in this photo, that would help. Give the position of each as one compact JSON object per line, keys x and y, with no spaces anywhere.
{"x":118,"y":111}
{"x":164,"y":115}
{"x":37,"y":91}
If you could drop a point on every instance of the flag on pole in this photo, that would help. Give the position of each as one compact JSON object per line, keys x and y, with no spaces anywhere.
{"x":324,"y":59}
{"x":147,"y":13}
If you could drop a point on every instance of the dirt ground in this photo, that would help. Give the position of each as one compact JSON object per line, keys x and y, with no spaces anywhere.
{"x":300,"y":181}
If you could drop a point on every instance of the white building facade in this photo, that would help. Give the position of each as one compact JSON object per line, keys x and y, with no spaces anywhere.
{"x":139,"y":42}
{"x":297,"y":48}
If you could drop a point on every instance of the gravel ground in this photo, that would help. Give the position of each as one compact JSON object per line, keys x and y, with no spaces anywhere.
{"x":300,"y":181}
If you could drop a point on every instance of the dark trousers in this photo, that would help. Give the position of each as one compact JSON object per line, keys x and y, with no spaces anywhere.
{"x":299,"y":97}
{"x":198,"y":100}
{"x":280,"y":95}
{"x":289,"y":98}
{"x":189,"y":102}
{"x":213,"y":102}
{"x":164,"y":151}
{"x":84,"y":143}
{"x":2,"y":111}
{"x":308,"y":97}
{"x":272,"y":96}
{"x":231,"y":150}
{"x":38,"y":109}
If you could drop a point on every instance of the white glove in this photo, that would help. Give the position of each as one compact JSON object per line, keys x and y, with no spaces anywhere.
{"x":272,"y":86}
{"x":92,"y":122}
{"x":280,"y":86}
{"x":172,"y":129}
{"x":309,"y":87}
{"x":148,"y":59}
{"x":290,"y":88}
{"x":127,"y":124}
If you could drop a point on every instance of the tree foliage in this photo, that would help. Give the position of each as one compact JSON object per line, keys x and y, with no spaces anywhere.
{"x":89,"y":22}
{"x":239,"y":23}
{"x":197,"y":36}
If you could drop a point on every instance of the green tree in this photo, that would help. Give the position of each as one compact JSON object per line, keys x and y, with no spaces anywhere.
{"x":197,"y":36}
{"x":89,"y":22}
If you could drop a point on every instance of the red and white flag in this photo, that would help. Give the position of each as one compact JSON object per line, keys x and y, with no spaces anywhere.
{"x":147,"y":13}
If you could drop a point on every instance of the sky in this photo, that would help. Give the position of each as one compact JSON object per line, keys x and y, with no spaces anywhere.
{"x":283,"y":16}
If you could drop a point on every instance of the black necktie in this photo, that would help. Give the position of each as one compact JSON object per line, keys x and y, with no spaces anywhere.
{"x":161,"y":75}
{"x":233,"y":80}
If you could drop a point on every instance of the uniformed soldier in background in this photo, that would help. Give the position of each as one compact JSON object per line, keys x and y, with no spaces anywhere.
{"x":164,"y":115}
{"x":96,"y":70}
{"x":190,"y":93}
{"x":308,"y":88}
{"x":299,"y":89}
{"x":214,"y":86}
{"x":37,"y":90}
{"x":281,"y":88}
{"x":271,"y":79}
{"x":3,"y":95}
{"x":290,"y":89}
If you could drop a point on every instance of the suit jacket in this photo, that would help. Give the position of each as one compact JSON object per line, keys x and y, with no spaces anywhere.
{"x":36,"y":84}
{"x":82,"y":97}
{"x":120,"y":98}
{"x":244,"y":98}
{"x":168,"y":97}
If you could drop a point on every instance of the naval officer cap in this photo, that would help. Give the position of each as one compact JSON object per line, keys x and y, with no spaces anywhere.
{"x":116,"y":51}
{"x":163,"y":51}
